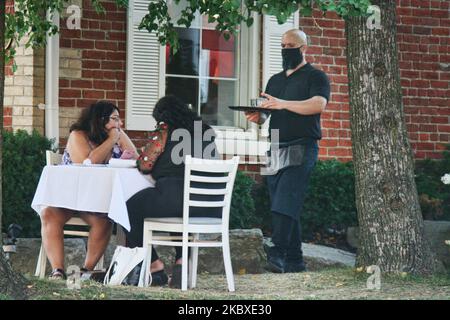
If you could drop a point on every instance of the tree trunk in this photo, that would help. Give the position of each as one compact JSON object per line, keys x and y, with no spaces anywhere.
{"x":390,"y":219}
{"x":11,"y":285}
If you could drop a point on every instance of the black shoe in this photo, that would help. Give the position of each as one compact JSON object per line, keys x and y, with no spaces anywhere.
{"x":294,"y":267}
{"x":275,"y":264}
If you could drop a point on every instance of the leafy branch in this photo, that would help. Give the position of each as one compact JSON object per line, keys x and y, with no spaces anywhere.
{"x":229,"y":14}
{"x":30,"y":19}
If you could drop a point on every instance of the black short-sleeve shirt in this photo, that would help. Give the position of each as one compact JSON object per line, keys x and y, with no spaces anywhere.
{"x":303,"y":84}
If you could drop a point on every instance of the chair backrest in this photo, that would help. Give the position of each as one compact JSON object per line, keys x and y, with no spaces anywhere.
{"x":52,"y":158}
{"x":209,"y":173}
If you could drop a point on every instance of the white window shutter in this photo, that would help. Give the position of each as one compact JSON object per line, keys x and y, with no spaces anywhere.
{"x":144,"y":60}
{"x":272,"y":61}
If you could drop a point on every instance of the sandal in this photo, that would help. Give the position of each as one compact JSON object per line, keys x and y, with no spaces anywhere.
{"x":58,"y":274}
{"x":175,"y":280}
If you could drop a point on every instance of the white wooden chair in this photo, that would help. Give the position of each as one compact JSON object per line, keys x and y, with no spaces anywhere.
{"x":54,"y":158}
{"x":195,"y":226}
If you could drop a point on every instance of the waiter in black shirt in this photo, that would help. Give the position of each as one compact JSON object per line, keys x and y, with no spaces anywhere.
{"x":296,"y":97}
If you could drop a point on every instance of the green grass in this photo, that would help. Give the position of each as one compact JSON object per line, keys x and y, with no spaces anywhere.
{"x":344,"y":283}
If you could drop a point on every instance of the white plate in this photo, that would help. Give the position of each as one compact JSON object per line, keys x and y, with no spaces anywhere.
{"x":89,"y":165}
{"x":122,"y":163}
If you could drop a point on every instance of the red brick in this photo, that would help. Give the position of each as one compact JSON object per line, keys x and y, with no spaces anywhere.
{"x":7,"y":122}
{"x":112,"y":65}
{"x":82,"y":44}
{"x":106,"y":45}
{"x":94,"y":24}
{"x":82,"y":103}
{"x":120,"y":36}
{"x":118,"y":26}
{"x":94,"y":35}
{"x":81,"y":84}
{"x":91,"y":64}
{"x":67,"y":103}
{"x":7,"y":111}
{"x":333,"y":33}
{"x":439,"y":14}
{"x":94,"y":54}
{"x":115,"y":95}
{"x":64,"y":83}
{"x":340,"y":152}
{"x":69,"y":93}
{"x":104,"y":84}
{"x":331,"y":124}
{"x":119,"y":56}
{"x":93,"y":94}
{"x":420,"y":83}
{"x":443,"y":128}
{"x":328,"y":143}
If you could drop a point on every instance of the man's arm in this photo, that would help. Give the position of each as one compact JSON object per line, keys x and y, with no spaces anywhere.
{"x":319,"y":92}
{"x":314,"y":105}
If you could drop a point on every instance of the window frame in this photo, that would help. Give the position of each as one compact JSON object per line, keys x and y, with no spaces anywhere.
{"x":248,"y":78}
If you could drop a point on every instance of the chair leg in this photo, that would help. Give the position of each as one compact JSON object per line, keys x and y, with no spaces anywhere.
{"x":41,"y":263}
{"x":227,"y":261}
{"x":184,"y":264}
{"x":146,"y":264}
{"x":193,"y":264}
{"x":120,"y":236}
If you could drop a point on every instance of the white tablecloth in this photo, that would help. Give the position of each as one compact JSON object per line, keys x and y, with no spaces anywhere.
{"x":94,"y":189}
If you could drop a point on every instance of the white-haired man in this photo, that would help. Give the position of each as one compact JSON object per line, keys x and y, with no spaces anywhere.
{"x":295,"y":98}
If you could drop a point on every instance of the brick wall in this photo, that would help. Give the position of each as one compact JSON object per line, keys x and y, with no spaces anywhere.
{"x":423,"y":41}
{"x":24,"y":89}
{"x":7,"y":101}
{"x":424,"y":45}
{"x":92,"y":62}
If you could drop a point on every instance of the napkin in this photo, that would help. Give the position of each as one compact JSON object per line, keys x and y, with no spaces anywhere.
{"x":122,"y":163}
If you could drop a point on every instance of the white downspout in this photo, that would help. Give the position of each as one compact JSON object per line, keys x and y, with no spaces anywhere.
{"x":52,"y":85}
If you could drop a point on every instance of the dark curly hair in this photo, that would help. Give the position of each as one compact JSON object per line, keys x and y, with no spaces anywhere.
{"x":176,"y":114}
{"x":93,"y":120}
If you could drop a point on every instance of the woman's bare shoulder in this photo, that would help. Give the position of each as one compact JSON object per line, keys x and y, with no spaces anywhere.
{"x":78,"y":137}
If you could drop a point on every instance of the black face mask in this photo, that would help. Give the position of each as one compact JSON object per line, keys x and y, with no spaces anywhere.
{"x":292,"y":57}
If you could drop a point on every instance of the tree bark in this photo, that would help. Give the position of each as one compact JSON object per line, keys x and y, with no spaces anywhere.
{"x":12,"y":285}
{"x":389,"y":215}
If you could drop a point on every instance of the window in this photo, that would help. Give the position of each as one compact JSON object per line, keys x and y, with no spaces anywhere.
{"x":204,"y":72}
{"x":208,"y":72}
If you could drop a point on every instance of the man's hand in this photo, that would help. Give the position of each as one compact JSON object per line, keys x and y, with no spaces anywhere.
{"x":253,"y":117}
{"x":272,"y":102}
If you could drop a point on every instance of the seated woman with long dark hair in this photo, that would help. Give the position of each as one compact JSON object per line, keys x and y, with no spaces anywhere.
{"x":166,"y":198}
{"x":95,"y":138}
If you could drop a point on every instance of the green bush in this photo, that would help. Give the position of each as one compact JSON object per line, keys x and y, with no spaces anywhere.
{"x":434,"y":196}
{"x":242,"y":212}
{"x":262,"y":207}
{"x":330,"y":202}
{"x":23,"y":160}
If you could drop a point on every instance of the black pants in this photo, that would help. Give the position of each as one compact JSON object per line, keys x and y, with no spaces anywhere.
{"x":286,"y":237}
{"x":165,"y":200}
{"x":287,"y":191}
